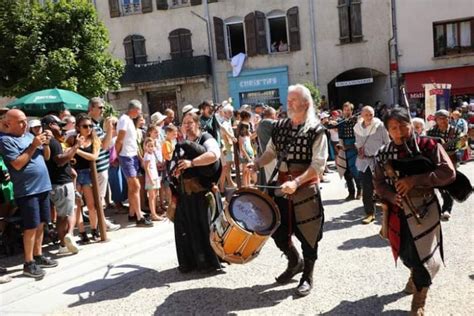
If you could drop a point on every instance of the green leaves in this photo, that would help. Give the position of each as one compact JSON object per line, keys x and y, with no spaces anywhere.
{"x":61,"y":45}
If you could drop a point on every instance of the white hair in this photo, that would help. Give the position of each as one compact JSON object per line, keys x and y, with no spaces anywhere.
{"x":311,"y":120}
{"x":228,"y":108}
{"x":418,"y":120}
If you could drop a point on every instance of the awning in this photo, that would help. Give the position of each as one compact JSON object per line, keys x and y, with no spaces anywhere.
{"x":461,"y":79}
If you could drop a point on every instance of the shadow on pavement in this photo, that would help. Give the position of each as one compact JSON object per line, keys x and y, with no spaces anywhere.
{"x":124,"y":280}
{"x":348,"y":219}
{"x":372,"y":305}
{"x":367,"y":242}
{"x":221,"y":301}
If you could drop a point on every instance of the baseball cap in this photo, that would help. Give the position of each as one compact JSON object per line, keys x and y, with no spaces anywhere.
{"x":189,"y":109}
{"x":48,"y":119}
{"x":34,"y":123}
{"x":324,"y":115}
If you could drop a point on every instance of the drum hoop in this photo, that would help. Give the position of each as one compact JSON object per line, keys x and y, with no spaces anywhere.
{"x":277,"y":217}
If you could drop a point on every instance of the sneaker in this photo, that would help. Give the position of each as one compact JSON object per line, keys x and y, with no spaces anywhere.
{"x":95,"y":235}
{"x":71,"y":243}
{"x":63,"y":250}
{"x":368,"y":219}
{"x":350,"y":197}
{"x":32,"y":270}
{"x":111,"y":227}
{"x":132,"y":218}
{"x":84,"y":238}
{"x":445,"y":216}
{"x":143,"y":222}
{"x":5,"y":279}
{"x":44,"y":262}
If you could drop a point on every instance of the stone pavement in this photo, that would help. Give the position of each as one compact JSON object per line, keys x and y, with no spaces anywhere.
{"x":135,"y":273}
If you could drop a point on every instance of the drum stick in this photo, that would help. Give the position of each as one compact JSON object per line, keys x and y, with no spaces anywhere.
{"x":268,"y":186}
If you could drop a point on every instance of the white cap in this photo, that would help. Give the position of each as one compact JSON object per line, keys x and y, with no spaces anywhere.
{"x":34,"y":123}
{"x":157,"y":118}
{"x":324,"y":115}
{"x":189,"y":109}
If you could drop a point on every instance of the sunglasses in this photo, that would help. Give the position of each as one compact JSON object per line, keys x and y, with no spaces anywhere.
{"x":87,"y":126}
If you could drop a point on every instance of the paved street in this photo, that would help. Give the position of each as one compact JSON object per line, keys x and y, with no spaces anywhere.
{"x":135,"y":273}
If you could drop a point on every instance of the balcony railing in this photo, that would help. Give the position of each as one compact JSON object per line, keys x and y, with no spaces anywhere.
{"x":167,"y":69}
{"x":131,"y":8}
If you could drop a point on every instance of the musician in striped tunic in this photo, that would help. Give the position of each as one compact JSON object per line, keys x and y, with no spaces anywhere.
{"x":414,"y":228}
{"x":300,"y":145}
{"x":449,"y":135}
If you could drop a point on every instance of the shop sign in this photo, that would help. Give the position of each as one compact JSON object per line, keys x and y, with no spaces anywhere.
{"x":436,"y":92}
{"x":354,"y":82}
{"x":251,"y":83}
{"x":416,"y":95}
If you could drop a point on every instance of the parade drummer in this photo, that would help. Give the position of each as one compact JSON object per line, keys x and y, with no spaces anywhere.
{"x":300,"y":146}
{"x":414,"y":229}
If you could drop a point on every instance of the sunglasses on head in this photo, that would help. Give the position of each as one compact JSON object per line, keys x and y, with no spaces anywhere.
{"x":87,"y":126}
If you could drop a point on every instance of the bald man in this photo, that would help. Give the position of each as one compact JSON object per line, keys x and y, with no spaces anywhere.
{"x":24,"y":156}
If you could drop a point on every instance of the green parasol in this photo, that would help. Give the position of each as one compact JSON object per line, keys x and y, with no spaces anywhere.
{"x":43,"y":102}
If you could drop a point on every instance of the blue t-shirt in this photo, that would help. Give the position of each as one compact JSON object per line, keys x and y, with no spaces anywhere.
{"x":33,"y":178}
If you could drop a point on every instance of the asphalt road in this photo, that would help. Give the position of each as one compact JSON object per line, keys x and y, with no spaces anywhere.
{"x":135,"y":273}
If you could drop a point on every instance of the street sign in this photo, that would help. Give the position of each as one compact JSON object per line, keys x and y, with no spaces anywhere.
{"x":357,"y":82}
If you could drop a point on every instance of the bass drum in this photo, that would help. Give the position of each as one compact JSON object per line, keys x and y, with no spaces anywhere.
{"x":241,"y":230}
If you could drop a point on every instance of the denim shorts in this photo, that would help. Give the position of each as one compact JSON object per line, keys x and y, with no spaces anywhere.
{"x":129,"y":165}
{"x":84,"y":177}
{"x":34,"y":209}
{"x":63,"y":196}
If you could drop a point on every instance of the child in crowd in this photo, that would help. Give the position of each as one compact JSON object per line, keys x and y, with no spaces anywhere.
{"x":171,"y":133}
{"x":154,"y":132}
{"x":152,"y":180}
{"x":245,"y":145}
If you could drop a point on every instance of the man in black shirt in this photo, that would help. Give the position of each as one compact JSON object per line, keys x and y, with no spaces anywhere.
{"x":63,"y":192}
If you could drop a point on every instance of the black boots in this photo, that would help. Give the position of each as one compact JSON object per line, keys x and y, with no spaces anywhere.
{"x":295,"y":265}
{"x":306,"y":282}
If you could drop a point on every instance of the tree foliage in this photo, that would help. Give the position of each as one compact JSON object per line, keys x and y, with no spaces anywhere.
{"x":62,"y":45}
{"x":315,"y":94}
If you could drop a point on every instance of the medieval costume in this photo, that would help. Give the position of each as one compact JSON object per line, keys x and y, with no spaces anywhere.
{"x":196,"y":204}
{"x":302,"y":214}
{"x":449,"y":138}
{"x":414,"y":229}
{"x":347,"y":141}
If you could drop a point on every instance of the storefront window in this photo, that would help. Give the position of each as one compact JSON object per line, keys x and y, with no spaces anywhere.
{"x":267,"y":97}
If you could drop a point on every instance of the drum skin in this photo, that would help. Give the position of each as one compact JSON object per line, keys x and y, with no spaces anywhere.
{"x":230,"y":239}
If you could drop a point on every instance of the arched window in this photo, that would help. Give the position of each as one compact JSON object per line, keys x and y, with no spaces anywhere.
{"x":135,"y":51}
{"x":180,"y":43}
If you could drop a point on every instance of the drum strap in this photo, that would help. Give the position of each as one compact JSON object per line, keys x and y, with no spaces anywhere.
{"x":290,"y":215}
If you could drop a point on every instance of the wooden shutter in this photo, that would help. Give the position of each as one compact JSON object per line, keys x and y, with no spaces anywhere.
{"x":162,"y":4}
{"x":343,"y":8}
{"x":175,"y":48}
{"x":127,"y":45}
{"x":185,"y":43}
{"x":294,"y":29}
{"x":356,"y":21}
{"x":196,"y":2}
{"x":250,"y":34}
{"x":139,"y":49}
{"x":114,"y":8}
{"x":219,"y":38}
{"x":472,"y":33}
{"x":260,"y":26}
{"x":147,"y":6}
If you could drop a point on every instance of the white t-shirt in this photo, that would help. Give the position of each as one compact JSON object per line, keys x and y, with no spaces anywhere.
{"x":153,"y":170}
{"x":129,"y":145}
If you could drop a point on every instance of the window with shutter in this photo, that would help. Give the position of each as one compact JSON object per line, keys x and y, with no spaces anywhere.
{"x":114,"y":8}
{"x":135,"y":51}
{"x":162,"y":4}
{"x":250,"y":34}
{"x":235,"y":39}
{"x":147,"y":6}
{"x":130,"y":7}
{"x":260,"y":28}
{"x":343,"y":8}
{"x":350,"y":21}
{"x":277,"y":31}
{"x":294,"y":29}
{"x":127,"y":44}
{"x":219,"y":38}
{"x":180,"y":44}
